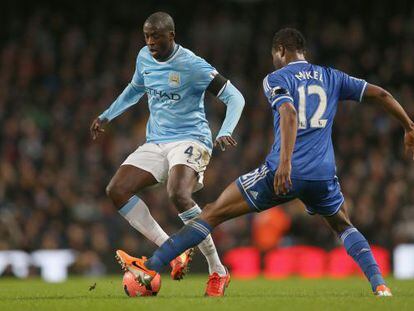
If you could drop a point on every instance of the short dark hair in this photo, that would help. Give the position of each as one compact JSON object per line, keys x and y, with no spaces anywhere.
{"x":290,"y":38}
{"x":161,"y":20}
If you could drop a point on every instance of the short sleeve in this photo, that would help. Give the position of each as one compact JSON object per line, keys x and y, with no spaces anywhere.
{"x":203,"y":73}
{"x":137,"y":79}
{"x":351,"y":88}
{"x":276,"y":90}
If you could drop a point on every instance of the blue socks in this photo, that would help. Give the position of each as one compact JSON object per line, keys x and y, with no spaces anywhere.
{"x":358,"y":248}
{"x":190,"y":235}
{"x":197,"y":230}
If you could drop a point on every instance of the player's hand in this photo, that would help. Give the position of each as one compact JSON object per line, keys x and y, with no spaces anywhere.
{"x":97,"y":127}
{"x":409,"y":143}
{"x":224,"y":141}
{"x":282,"y":182}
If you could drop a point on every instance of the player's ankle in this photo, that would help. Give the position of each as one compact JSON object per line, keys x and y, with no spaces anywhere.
{"x":376,"y":280}
{"x":219,"y":269}
{"x":154,"y":264}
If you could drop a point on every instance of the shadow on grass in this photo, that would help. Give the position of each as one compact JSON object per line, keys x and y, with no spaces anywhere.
{"x":59,"y":298}
{"x":165,"y":297}
{"x":232,"y":296}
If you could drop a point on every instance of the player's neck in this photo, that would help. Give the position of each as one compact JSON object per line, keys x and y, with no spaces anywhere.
{"x":296,"y":57}
{"x":169,"y":53}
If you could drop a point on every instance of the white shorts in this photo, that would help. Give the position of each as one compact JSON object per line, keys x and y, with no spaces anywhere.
{"x":158,"y":159}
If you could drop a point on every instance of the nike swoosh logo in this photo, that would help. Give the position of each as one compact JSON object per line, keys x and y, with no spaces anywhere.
{"x":147,"y":72}
{"x":134,"y":263}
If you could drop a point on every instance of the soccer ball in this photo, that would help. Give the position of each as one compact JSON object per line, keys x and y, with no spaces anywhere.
{"x":133,"y":289}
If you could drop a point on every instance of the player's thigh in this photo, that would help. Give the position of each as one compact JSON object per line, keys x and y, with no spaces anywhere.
{"x":322,"y":197}
{"x":230,"y":204}
{"x":340,"y":221}
{"x":129,"y":178}
{"x":188,"y":154}
{"x":150,"y":158}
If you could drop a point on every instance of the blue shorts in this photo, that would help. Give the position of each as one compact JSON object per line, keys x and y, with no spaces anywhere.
{"x":323,"y":197}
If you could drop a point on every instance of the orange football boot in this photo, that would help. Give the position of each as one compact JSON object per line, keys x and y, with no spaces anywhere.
{"x":216,"y":284}
{"x":180,"y":264}
{"x":382,"y":291}
{"x":136,"y":266}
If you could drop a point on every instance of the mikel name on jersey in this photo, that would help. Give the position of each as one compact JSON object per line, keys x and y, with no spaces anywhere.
{"x":307,"y":75}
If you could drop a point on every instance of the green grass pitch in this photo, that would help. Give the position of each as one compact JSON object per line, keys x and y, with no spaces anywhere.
{"x":257,"y":295}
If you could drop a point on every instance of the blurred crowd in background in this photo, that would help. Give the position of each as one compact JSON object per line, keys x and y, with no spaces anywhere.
{"x":62,"y":64}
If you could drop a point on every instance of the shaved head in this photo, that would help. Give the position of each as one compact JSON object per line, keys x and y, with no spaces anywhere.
{"x":159,"y":35}
{"x":160,"y":20}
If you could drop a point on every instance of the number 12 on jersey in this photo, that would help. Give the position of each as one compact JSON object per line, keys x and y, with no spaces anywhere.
{"x":316,"y":120}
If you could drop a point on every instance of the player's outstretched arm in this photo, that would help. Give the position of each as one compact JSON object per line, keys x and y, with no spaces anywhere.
{"x":288,"y":131}
{"x":378,"y":95}
{"x":227,"y":93}
{"x":129,"y":97}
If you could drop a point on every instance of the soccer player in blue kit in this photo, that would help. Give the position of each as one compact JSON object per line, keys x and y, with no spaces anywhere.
{"x":300,"y":165}
{"x":178,"y":139}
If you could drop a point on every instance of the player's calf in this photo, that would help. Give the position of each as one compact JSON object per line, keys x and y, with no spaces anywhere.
{"x":189,"y":236}
{"x":358,"y":248}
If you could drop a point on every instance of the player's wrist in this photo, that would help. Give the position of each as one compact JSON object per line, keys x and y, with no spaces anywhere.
{"x":285,"y":161}
{"x":223,"y":134}
{"x":103,"y":119}
{"x":409,"y":127}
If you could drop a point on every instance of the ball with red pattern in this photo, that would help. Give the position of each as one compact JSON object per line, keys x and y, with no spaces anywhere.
{"x":133,"y":289}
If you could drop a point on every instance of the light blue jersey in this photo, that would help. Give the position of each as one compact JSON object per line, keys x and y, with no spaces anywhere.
{"x":175,"y":90}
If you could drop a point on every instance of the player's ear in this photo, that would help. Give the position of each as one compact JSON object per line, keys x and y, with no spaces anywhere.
{"x":282,"y":50}
{"x":172,"y":34}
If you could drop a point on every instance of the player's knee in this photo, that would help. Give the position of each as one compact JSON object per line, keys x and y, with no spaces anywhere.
{"x":181,"y":199}
{"x":340,"y":225}
{"x":339,"y":228}
{"x":118,"y":194}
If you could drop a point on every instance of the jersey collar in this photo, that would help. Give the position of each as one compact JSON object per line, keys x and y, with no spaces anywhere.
{"x":172,"y":56}
{"x":297,"y":62}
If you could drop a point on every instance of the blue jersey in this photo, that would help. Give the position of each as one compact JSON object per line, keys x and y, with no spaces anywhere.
{"x":175,"y":90}
{"x":315,"y":92}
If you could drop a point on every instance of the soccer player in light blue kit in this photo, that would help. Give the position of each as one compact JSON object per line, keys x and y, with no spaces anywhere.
{"x":301,"y":163}
{"x":178,"y":141}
